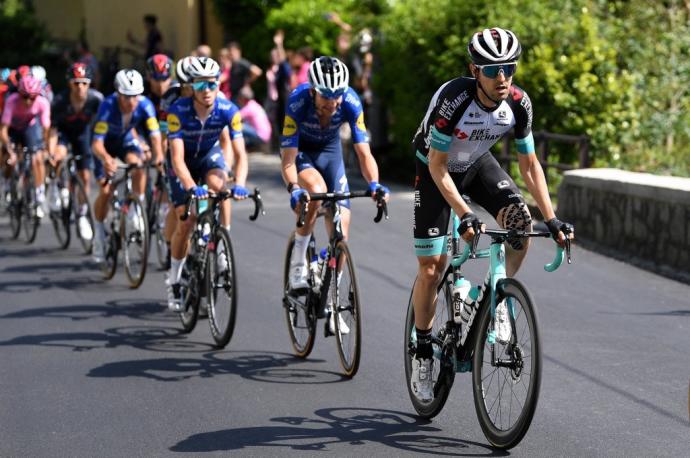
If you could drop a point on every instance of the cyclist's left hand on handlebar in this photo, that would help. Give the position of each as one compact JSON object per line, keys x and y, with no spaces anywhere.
{"x":198,"y":192}
{"x":296,"y":195}
{"x":560,"y":230}
{"x":375,"y":186}
{"x":239,"y":192}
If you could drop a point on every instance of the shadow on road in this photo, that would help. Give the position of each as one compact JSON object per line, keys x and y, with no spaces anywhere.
{"x":258,"y":366}
{"x":349,"y":426}
{"x":139,"y":309}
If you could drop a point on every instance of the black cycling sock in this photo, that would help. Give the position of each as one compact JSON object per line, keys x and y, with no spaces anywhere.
{"x":424,"y":348}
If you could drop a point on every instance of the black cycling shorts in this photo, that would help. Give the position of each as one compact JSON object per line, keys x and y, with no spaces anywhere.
{"x":484,"y":182}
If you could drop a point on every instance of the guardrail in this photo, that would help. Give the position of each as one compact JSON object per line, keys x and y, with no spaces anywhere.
{"x":541,"y":140}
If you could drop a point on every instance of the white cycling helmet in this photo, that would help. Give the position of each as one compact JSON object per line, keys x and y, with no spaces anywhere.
{"x":182,"y":70}
{"x":38,"y":72}
{"x":494,"y":46}
{"x":129,"y":82}
{"x":329,"y":76}
{"x":203,"y":67}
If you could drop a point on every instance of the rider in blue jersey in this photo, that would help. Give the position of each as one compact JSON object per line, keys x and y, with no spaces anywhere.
{"x":195,"y":126}
{"x":114,"y":138}
{"x":312,"y":159}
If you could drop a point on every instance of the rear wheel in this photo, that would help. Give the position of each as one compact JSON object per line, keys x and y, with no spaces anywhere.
{"x":135,"y":241}
{"x":443,"y":373}
{"x":506,"y":378}
{"x":158,"y":214}
{"x":300,"y":313}
{"x":348,"y":319}
{"x":221,"y":289}
{"x":82,"y":209}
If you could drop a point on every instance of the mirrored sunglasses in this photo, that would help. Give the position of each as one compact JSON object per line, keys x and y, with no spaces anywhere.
{"x":492,"y":71}
{"x":203,"y":85}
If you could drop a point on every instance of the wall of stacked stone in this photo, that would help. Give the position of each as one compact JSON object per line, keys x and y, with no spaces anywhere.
{"x":637,"y":217}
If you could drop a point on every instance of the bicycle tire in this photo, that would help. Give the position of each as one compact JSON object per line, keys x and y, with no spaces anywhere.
{"x":529,"y":351}
{"x":61,"y":218}
{"x":137,"y":238}
{"x":31,"y":220}
{"x":112,"y":245}
{"x":300,"y":315}
{"x":157,"y":229}
{"x":349,"y":313}
{"x":221,"y":283}
{"x":79,"y":195}
{"x":442,"y":374}
{"x":191,"y":291}
{"x":15,"y":209}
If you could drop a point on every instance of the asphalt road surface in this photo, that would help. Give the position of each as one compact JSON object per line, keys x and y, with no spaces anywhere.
{"x":92,"y":368}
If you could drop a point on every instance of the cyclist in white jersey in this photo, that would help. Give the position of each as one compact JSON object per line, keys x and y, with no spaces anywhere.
{"x":465,"y":118}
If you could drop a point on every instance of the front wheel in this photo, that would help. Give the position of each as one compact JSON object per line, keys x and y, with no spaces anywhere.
{"x":61,"y":218}
{"x":190,"y":282}
{"x":221,"y":288}
{"x":300,"y":313}
{"x":506,"y":378}
{"x":14,"y":207}
{"x":346,"y":306}
{"x":134,"y":228}
{"x":443,"y":372}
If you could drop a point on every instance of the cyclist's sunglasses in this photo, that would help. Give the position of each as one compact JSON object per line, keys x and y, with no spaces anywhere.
{"x":29,"y":96}
{"x":491,"y":71}
{"x":203,"y":85}
{"x":81,"y":81}
{"x":161,"y":77}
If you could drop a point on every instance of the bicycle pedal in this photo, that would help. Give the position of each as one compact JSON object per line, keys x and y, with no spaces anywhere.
{"x":326,"y":329}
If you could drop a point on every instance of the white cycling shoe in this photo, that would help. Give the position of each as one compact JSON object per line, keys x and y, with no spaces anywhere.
{"x":502,"y":323}
{"x":85,"y":229}
{"x":421,"y":383}
{"x":298,"y":278}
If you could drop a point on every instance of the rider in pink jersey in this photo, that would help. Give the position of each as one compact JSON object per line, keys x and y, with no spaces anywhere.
{"x":26,"y":121}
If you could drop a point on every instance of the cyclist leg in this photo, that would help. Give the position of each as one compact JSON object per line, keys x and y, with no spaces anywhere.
{"x":310,"y":179}
{"x":430,"y":223}
{"x":331,"y":166}
{"x":212,"y":168}
{"x":33,"y":140}
{"x":134,"y":154}
{"x":179,"y":241}
{"x":497,"y":193}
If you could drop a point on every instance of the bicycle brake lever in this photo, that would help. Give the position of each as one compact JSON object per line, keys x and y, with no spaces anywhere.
{"x":567,"y":250}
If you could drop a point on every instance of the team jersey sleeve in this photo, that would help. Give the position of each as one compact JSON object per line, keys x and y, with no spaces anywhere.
{"x":45,"y":112}
{"x":173,"y":122}
{"x":444,"y":116}
{"x":7,"y":111}
{"x":235,"y":122}
{"x":523,"y":122}
{"x":355,"y":116}
{"x":293,"y":115}
{"x":100,"y":128}
{"x":150,"y":115}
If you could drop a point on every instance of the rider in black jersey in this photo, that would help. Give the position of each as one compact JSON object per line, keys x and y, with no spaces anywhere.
{"x":465,"y":118}
{"x":73,"y":112}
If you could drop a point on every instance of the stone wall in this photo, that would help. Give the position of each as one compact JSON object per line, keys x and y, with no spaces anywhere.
{"x":636,"y":217}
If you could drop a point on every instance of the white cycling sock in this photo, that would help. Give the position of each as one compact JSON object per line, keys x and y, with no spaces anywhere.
{"x":83,"y":208}
{"x":227,"y":228}
{"x":299,"y":251}
{"x":175,"y":270}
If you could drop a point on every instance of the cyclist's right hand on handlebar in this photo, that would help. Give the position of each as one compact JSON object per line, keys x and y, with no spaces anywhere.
{"x":198,"y":192}
{"x":296,"y":196}
{"x":560,"y":230}
{"x":470,"y":224}
{"x":110,"y":166}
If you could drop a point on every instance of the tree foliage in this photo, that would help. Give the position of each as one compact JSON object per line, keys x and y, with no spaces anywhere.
{"x":22,"y":36}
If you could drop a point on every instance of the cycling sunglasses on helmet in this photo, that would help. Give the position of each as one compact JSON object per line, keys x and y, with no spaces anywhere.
{"x":491,"y":71}
{"x":203,"y":85}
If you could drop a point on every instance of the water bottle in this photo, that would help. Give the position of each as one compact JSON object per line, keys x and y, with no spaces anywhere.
{"x":64,"y":196}
{"x":314,"y":267}
{"x":469,"y":311}
{"x":205,"y":230}
{"x":323,"y":254}
{"x":461,"y":289}
{"x":203,"y":203}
